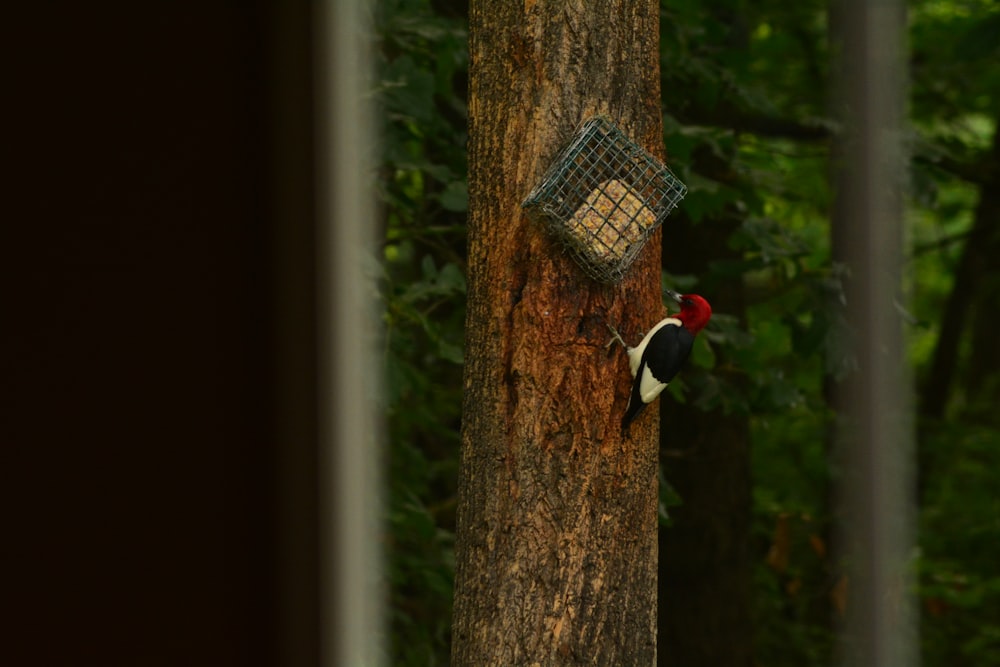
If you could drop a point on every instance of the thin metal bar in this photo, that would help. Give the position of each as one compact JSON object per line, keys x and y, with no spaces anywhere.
{"x":876,"y":438}
{"x":350,"y":501}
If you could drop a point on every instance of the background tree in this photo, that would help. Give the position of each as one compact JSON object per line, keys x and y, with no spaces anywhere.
{"x":556,"y":529}
{"x":956,"y":111}
{"x":730,"y":240}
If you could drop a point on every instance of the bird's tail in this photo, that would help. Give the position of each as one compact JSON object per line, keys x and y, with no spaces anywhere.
{"x":631,"y":412}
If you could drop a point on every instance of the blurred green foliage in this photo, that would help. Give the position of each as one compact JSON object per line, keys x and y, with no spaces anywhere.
{"x":422,"y":64}
{"x":747,"y":125}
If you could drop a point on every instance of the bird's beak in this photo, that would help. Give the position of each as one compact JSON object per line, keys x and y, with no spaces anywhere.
{"x":672,"y":294}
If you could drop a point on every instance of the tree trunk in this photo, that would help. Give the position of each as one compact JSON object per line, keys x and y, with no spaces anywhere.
{"x":705,"y":616}
{"x":556,"y":527}
{"x":706,"y":566}
{"x":972,"y":291}
{"x":984,"y":354}
{"x":967,"y":315}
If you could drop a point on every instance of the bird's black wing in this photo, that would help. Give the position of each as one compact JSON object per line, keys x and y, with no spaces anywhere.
{"x":667,"y":352}
{"x":663,"y":358}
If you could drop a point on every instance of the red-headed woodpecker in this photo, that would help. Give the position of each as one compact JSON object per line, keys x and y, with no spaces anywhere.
{"x":660,"y":354}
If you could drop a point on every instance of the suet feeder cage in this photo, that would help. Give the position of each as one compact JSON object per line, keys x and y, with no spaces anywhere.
{"x":602,"y":198}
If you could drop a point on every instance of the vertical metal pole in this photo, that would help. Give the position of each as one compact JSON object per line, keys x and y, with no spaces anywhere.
{"x":875,"y":437}
{"x":349,"y":482}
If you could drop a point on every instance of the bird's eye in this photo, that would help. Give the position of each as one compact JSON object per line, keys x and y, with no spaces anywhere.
{"x":688,"y":302}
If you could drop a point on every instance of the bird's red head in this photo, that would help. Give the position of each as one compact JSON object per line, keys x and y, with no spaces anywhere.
{"x":695,"y":311}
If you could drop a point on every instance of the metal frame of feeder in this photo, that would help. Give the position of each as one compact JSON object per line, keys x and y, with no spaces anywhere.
{"x":603,"y":197}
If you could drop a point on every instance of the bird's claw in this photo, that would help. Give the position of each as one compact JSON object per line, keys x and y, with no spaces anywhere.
{"x":615,"y":338}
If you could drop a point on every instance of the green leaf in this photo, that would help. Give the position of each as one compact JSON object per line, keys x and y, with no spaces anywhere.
{"x":450,"y":352}
{"x":668,"y":497}
{"x":726,"y":330}
{"x":455,"y":197}
{"x":408,"y":90}
{"x":451,"y":278}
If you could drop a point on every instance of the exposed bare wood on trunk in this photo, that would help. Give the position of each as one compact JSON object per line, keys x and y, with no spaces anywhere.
{"x":556,"y":535}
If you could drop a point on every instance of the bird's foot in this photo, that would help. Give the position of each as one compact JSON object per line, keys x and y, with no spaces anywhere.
{"x":616,"y":338}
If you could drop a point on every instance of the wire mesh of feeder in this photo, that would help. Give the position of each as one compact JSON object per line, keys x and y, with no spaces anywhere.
{"x":602,"y":198}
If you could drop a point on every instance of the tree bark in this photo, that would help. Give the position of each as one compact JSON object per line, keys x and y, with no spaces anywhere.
{"x":556,"y":527}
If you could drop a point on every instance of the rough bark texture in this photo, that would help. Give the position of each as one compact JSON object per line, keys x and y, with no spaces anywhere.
{"x":556,"y":528}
